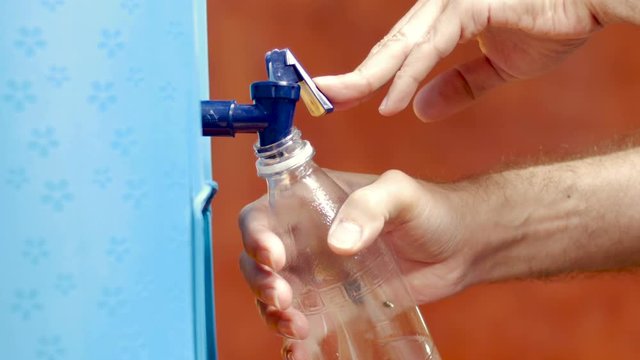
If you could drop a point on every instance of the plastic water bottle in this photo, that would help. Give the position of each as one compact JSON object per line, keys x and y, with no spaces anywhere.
{"x":358,"y":307}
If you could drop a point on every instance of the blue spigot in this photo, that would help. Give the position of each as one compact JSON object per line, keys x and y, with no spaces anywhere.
{"x":274,"y":103}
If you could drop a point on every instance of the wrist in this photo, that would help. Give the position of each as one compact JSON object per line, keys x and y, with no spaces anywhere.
{"x":548,"y":220}
{"x":524,"y":220}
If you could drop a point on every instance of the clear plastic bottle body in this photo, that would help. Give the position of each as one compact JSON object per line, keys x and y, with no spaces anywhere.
{"x":358,"y":307}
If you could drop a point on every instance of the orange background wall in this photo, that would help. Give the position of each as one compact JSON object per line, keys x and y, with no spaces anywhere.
{"x":591,"y":98}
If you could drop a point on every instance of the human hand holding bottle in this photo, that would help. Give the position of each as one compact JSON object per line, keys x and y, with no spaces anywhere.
{"x":448,"y":237}
{"x":419,"y":221}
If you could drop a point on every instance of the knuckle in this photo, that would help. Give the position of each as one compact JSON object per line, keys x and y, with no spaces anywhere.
{"x":405,"y":41}
{"x":363,"y":74}
{"x":248,"y":211}
{"x":244,"y":214}
{"x":406,"y":74}
{"x":378,"y":46}
{"x":401,"y":185}
{"x":399,"y":38}
{"x":426,"y":38}
{"x":396,"y":176}
{"x":362,"y":198}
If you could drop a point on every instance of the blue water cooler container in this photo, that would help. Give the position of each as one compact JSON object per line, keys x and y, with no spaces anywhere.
{"x":104,"y":181}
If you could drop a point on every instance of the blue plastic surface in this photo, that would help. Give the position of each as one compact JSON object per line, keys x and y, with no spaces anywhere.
{"x":104,"y":233}
{"x":278,"y":68}
{"x":226,"y":118}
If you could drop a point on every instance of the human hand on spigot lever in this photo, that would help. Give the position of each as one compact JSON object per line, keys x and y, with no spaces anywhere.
{"x":519,"y":39}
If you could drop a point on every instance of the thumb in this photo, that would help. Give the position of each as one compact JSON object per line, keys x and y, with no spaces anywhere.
{"x":392,"y":199}
{"x":456,"y":89}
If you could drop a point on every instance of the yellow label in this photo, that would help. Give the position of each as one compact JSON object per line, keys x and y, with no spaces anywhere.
{"x":313,"y":105}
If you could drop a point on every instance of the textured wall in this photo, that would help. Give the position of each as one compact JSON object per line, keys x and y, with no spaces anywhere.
{"x":591,"y":98}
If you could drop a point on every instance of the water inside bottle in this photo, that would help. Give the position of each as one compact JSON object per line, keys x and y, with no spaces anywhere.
{"x":369,"y":315}
{"x":349,"y":333}
{"x":358,"y":307}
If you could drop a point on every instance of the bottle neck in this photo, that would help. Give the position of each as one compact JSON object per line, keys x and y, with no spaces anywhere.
{"x":284,"y":156}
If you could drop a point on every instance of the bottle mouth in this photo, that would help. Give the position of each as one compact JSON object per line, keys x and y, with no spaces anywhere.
{"x":272,"y":150}
{"x":283,"y":155}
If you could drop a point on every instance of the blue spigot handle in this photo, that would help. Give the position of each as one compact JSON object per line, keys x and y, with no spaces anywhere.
{"x":283,"y":66}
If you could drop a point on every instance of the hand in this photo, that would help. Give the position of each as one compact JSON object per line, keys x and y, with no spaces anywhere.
{"x":541,"y":221}
{"x":519,"y":39}
{"x":421,"y":222}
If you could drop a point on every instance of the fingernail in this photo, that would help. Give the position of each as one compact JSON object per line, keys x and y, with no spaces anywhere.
{"x":289,"y":355}
{"x":259,"y":307}
{"x":383,"y":105}
{"x":264,"y":257}
{"x":345,"y":235}
{"x":271,"y":297}
{"x":286,"y":328}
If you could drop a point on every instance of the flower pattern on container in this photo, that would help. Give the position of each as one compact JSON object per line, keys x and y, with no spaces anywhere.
{"x":43,"y":141}
{"x":65,"y":284}
{"x":135,"y":76}
{"x":16,"y":178}
{"x":124,"y":141}
{"x":50,"y":348}
{"x":58,"y":75}
{"x":118,"y":249}
{"x":57,"y":194}
{"x":111,"y":42}
{"x":167,"y":92}
{"x":26,"y":303}
{"x":132,"y":346}
{"x":52,"y":5}
{"x":102,"y":177}
{"x":19,"y":94}
{"x":102,"y":95}
{"x":136,"y":192}
{"x":130,"y":6}
{"x":30,"y":41}
{"x":35,"y":250}
{"x":112,"y":301}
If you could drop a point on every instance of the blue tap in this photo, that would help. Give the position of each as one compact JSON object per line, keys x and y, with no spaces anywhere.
{"x":274,"y":103}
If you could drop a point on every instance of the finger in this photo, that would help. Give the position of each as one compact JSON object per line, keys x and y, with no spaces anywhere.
{"x":268,"y":286}
{"x":393,"y":198}
{"x":384,"y":59}
{"x":440,"y":40}
{"x":290,"y":323}
{"x":259,"y":241}
{"x":332,"y":84}
{"x":456,"y":89}
{"x":419,"y":5}
{"x":296,"y":350}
